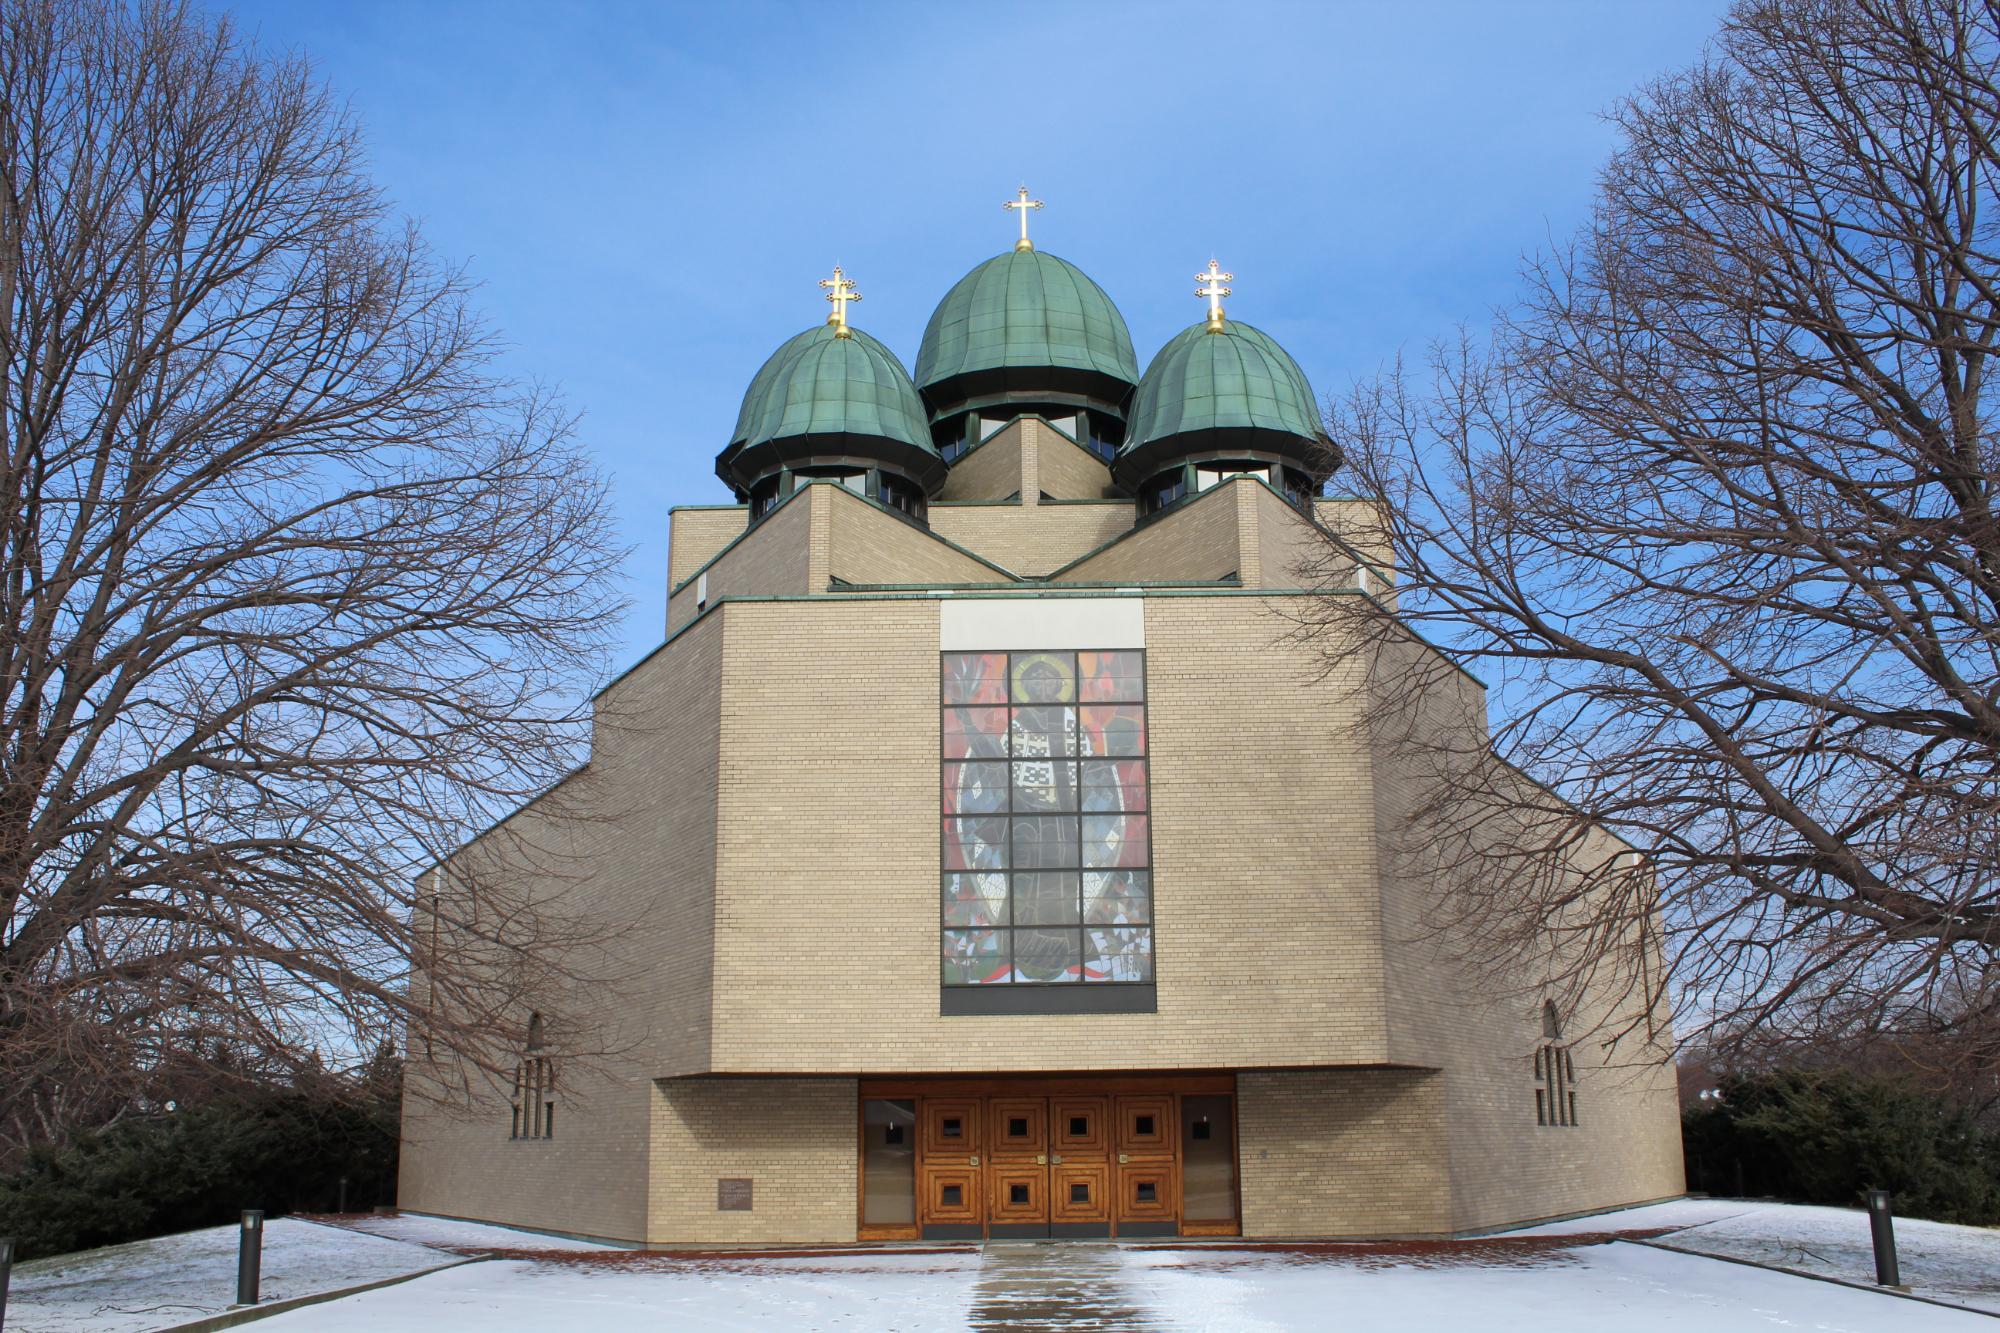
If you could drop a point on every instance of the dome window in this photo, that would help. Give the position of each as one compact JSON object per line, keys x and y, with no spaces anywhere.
{"x":833,"y":404}
{"x":1222,"y":400}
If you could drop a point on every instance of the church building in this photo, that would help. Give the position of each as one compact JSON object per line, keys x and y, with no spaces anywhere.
{"x":987,"y":859}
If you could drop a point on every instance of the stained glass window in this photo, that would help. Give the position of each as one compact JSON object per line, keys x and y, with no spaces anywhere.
{"x":1047,"y":844}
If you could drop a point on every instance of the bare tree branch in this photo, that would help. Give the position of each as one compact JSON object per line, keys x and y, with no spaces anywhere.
{"x":298,"y":590}
{"x":1714,"y":511}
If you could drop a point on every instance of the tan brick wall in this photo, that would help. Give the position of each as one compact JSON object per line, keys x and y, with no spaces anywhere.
{"x":696,"y":533}
{"x":1483,"y":1030}
{"x":1267,"y":931}
{"x":1028,"y":457}
{"x":1199,"y":541}
{"x":992,"y":471}
{"x":795,"y":1139}
{"x":1068,"y":471}
{"x":1343,"y":1152}
{"x":588,"y":1180}
{"x":1285,"y":540}
{"x":768,"y":843}
{"x":1358,"y":523}
{"x":1032,"y":540}
{"x":773,"y":558}
{"x":644,"y":884}
{"x":866,"y":545}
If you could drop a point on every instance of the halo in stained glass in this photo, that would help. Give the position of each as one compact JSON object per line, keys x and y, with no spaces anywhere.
{"x":975,"y":844}
{"x":1038,"y":733}
{"x":975,"y":678}
{"x":1113,"y":784}
{"x":1110,"y":677}
{"x":975,"y":957}
{"x":1113,"y":729}
{"x":1118,"y":953}
{"x":1047,"y":955}
{"x":1044,"y":678}
{"x":975,"y":733}
{"x":1113,"y":841}
{"x":975,"y":900}
{"x":1117,"y":897}
{"x":975,"y":789}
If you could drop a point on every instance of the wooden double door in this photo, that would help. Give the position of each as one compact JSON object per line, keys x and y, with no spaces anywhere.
{"x":1028,"y":1161}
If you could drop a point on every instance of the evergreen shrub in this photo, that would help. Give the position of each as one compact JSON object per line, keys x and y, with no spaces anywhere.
{"x":1829,"y":1136}
{"x":283,"y":1151}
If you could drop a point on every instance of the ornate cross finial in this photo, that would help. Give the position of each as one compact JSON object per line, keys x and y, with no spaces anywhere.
{"x":1213,"y":290}
{"x":1021,"y":205}
{"x":842,"y":292}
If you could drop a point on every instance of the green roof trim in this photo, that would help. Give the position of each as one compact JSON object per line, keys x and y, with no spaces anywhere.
{"x":1026,"y":309}
{"x":819,"y":384}
{"x":1237,"y":379}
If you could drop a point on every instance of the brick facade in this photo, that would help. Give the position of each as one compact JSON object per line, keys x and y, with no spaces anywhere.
{"x":768,"y":845}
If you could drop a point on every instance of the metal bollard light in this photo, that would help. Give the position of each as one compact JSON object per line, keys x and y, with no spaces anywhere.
{"x":1882,"y":1226}
{"x":6,"y":1272}
{"x":249,"y":1256}
{"x":343,"y":1196}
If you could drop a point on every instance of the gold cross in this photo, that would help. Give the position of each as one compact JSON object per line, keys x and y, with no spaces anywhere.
{"x":842,"y":292}
{"x":1213,"y":289}
{"x":1021,"y":206}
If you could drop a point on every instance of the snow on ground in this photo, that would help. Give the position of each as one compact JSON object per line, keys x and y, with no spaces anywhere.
{"x":1592,"y":1289}
{"x":1556,"y":1278}
{"x":169,"y":1280}
{"x":1500,"y":1289}
{"x":1674,"y":1213}
{"x":1952,"y":1263}
{"x":451,"y":1234}
{"x":886,"y":1292}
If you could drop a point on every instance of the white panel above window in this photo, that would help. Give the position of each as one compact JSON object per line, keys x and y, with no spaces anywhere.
{"x":993,"y":624}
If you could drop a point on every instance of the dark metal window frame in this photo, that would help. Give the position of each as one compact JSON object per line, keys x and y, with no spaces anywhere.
{"x":1034,"y":997}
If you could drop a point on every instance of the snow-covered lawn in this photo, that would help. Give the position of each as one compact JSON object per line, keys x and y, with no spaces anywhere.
{"x":1613,"y":1288}
{"x":1937,"y":1259}
{"x":1559,"y":1278}
{"x":171,"y":1280}
{"x":448,"y":1234}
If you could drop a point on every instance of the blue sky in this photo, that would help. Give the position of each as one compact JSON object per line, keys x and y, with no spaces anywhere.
{"x":649,"y":192}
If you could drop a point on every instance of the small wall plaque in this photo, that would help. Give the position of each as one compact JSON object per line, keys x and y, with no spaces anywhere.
{"x":732,"y":1195}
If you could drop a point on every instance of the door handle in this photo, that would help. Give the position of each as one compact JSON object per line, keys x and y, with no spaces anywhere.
{"x":1058,"y":1159}
{"x":1042,"y":1160}
{"x":1122,"y":1159}
{"x":973,"y":1160}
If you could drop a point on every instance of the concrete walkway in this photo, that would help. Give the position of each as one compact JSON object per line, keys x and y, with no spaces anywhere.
{"x":1026,"y":1287}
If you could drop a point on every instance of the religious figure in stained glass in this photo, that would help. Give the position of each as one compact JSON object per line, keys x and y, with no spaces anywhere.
{"x":1046,"y":823}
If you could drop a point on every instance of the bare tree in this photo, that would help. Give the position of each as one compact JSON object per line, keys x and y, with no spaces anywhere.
{"x":298,"y":589}
{"x":1714,"y":512}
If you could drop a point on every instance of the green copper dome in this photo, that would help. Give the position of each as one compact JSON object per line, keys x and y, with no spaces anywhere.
{"x":1216,"y":393}
{"x":1022,"y":325}
{"x":821,"y":384}
{"x":825,"y":399}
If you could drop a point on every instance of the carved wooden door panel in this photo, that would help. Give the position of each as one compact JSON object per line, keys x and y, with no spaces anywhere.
{"x":950,"y":1176}
{"x":1017,"y":1174}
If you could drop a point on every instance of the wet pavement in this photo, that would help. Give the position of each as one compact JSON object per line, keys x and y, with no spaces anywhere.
{"x":1029,"y":1286}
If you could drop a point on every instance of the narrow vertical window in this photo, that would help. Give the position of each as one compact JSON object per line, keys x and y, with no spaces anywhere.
{"x":532,"y":1100}
{"x":1555,"y":1074}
